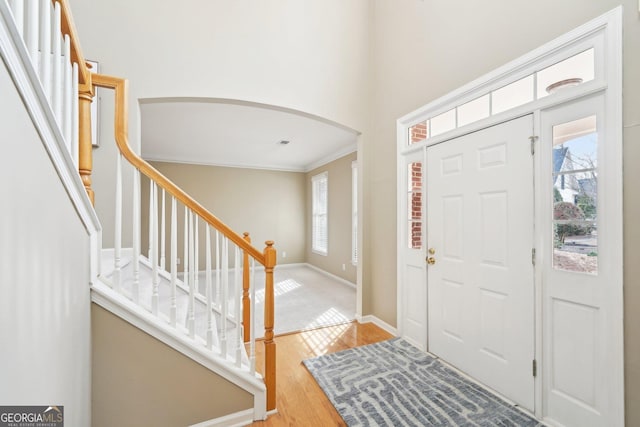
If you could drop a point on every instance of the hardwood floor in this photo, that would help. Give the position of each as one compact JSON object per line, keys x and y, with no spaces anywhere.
{"x":300,"y":401}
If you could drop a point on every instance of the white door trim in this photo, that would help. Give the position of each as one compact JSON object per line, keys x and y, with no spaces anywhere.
{"x":604,"y":34}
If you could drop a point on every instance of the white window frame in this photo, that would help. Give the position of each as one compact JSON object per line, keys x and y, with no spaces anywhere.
{"x":354,"y":212}
{"x":319,"y":210}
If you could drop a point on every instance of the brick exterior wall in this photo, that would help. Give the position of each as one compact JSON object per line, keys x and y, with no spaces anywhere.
{"x":417,"y":132}
{"x":416,"y":205}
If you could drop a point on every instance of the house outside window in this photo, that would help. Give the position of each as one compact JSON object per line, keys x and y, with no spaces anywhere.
{"x":320,"y":219}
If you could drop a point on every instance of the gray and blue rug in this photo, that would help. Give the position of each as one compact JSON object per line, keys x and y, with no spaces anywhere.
{"x":392,"y":383}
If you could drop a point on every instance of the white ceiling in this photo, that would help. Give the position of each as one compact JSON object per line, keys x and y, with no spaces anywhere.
{"x":238,"y":134}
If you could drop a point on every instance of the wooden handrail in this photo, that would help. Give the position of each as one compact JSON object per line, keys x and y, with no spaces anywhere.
{"x":120,"y":86}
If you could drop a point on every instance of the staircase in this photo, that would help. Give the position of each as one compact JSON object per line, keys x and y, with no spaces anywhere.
{"x":189,"y":284}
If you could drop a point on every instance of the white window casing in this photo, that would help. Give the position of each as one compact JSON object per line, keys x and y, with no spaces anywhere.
{"x":320,"y":213}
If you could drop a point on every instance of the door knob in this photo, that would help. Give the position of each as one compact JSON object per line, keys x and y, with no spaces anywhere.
{"x":431,"y":260}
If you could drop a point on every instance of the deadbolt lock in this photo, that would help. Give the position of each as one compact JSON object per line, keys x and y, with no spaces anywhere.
{"x":432,"y":251}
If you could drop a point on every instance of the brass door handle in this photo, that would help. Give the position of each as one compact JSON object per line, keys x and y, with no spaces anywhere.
{"x":431,"y":260}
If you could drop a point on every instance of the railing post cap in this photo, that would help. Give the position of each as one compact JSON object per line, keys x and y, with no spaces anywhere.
{"x":269,"y":243}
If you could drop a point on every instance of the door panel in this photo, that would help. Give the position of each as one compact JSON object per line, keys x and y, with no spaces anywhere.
{"x":480,"y":224}
{"x":578,"y":264}
{"x":413,"y":320}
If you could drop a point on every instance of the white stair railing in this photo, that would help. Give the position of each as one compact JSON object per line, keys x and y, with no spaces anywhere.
{"x":39,"y":23}
{"x":217,"y":317}
{"x":212,"y":315}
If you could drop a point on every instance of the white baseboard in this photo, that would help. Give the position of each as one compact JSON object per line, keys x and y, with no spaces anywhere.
{"x":332,"y":276}
{"x":378,"y":322}
{"x":238,"y":419}
{"x":291,"y":265}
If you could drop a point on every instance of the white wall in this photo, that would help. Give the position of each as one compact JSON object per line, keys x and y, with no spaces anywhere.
{"x":310,"y":56}
{"x":44,"y":275}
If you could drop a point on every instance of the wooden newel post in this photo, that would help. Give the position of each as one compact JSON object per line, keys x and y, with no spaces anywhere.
{"x":85,"y":154}
{"x":246,"y":303}
{"x":269,"y":344}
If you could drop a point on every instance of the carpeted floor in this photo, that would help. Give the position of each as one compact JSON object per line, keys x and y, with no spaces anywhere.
{"x":304,"y":299}
{"x":392,"y":383}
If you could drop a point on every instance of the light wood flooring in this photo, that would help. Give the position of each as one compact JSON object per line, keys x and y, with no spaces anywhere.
{"x":300,"y":400}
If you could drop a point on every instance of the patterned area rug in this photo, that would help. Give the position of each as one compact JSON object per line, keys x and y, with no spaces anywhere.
{"x":392,"y":383}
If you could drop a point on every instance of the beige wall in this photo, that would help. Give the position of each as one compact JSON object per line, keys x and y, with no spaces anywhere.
{"x":140,"y":381}
{"x":339,"y":204}
{"x":270,"y":205}
{"x":425,"y":49}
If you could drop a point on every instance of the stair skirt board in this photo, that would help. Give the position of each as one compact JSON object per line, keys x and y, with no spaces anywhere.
{"x":137,"y":316}
{"x":238,"y":419}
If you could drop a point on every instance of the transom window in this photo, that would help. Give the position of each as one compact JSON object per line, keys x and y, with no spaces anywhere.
{"x":569,"y":72}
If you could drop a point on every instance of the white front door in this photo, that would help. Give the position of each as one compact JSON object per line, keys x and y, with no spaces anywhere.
{"x":480,"y":236}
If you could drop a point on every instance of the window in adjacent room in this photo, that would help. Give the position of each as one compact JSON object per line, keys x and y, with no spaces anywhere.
{"x":320,"y":220}
{"x":354,"y":213}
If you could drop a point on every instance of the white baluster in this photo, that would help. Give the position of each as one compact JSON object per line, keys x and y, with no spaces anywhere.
{"x":224,"y":297}
{"x":252,"y":323}
{"x":218,"y":283}
{"x":117,"y":238}
{"x":75,"y":118}
{"x":31,"y":31}
{"x":174,"y":261}
{"x":162,"y":233}
{"x":17,"y":9}
{"x":66,"y":103}
{"x":136,"y":236}
{"x":237,"y":275}
{"x":185,"y":259}
{"x":191,"y":324}
{"x":57,"y":59}
{"x":154,"y":262}
{"x":196,"y":248}
{"x":45,"y":47}
{"x":209,"y":289}
{"x":151,"y":225}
